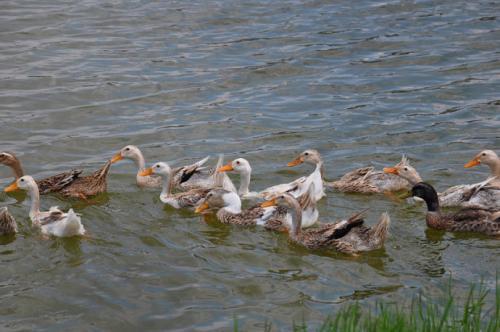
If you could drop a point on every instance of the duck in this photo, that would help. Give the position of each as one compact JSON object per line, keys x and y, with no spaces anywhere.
{"x":367,"y":180}
{"x":465,"y":220}
{"x":227,"y":205}
{"x":482,"y":195}
{"x":133,"y":153}
{"x":90,"y":185}
{"x":47,"y":185}
{"x":312,"y":157}
{"x":490,"y":159}
{"x":8,"y":225}
{"x":53,"y":222}
{"x":184,"y":178}
{"x":187,"y":199}
{"x":243,"y":168}
{"x":347,"y":236}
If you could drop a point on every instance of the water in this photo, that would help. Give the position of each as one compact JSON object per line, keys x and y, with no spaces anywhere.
{"x":362,"y":82}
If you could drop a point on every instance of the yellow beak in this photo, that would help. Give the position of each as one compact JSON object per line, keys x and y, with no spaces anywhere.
{"x":148,"y":171}
{"x":271,"y":202}
{"x":202,"y":207}
{"x":296,"y":161}
{"x":226,"y":168}
{"x":472,"y":163}
{"x":391,"y":170}
{"x":116,"y":157}
{"x":12,"y":187}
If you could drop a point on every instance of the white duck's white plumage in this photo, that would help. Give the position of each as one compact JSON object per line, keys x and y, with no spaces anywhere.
{"x":53,"y":222}
{"x":295,"y":188}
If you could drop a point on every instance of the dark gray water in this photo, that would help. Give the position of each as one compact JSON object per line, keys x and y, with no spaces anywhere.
{"x":361,"y":81}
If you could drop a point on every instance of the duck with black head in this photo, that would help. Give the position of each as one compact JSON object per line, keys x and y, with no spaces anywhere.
{"x":465,"y":220}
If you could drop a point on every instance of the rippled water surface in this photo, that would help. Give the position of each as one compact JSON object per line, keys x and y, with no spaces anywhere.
{"x":361,"y":81}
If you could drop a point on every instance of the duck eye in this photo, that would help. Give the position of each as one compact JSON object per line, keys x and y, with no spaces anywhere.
{"x":127,"y":149}
{"x":306,"y":154}
{"x":157,"y":166}
{"x":238,"y":162}
{"x":22,"y":180}
{"x":484,"y":154}
{"x":406,"y":168}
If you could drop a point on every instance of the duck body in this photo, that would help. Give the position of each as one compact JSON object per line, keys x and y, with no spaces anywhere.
{"x":8,"y":225}
{"x":347,"y":236}
{"x":53,"y":222}
{"x":466,"y":220}
{"x":90,"y":185}
{"x":48,"y":185}
{"x":367,"y":180}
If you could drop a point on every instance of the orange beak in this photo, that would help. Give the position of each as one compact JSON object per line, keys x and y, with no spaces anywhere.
{"x":271,"y":202}
{"x":116,"y":157}
{"x":226,"y":168}
{"x":148,"y":171}
{"x":391,"y":170}
{"x":11,"y":188}
{"x":202,"y":207}
{"x":295,"y":162}
{"x":472,"y":163}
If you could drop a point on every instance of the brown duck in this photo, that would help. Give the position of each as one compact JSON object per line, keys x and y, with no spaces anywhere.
{"x":347,"y":236}
{"x":465,"y":220}
{"x":90,"y":185}
{"x":51,"y":184}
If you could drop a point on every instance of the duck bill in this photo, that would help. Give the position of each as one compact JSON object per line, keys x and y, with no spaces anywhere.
{"x":269,"y":203}
{"x":391,"y":170}
{"x":117,"y":157}
{"x":226,"y":168}
{"x":472,"y":163}
{"x":201,"y":208}
{"x":147,"y":172}
{"x":11,"y":188}
{"x":295,"y":162}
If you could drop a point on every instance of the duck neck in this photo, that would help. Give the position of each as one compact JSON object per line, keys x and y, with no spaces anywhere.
{"x":432,"y":202}
{"x":244,"y":182}
{"x":319,"y":168}
{"x":495,"y":168}
{"x":167,"y":185}
{"x":296,"y":214}
{"x":140,"y":162}
{"x":17,"y":169}
{"x":35,"y":202}
{"x":232,"y":203}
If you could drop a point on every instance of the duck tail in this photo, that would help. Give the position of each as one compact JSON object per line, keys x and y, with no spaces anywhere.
{"x":218,"y":177}
{"x":73,"y":224}
{"x":381,"y":229}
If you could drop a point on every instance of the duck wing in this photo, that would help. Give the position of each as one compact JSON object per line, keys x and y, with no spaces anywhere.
{"x":57,"y":182}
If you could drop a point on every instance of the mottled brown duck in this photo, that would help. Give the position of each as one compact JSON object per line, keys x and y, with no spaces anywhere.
{"x":347,"y":236}
{"x":367,"y":180}
{"x":47,"y":185}
{"x":90,"y":185}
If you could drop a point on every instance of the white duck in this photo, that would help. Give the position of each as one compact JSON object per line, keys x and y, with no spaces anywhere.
{"x":53,"y":222}
{"x":311,"y":157}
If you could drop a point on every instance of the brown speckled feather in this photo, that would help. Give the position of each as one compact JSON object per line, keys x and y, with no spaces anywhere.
{"x":57,"y":182}
{"x":8,"y":225}
{"x":466,"y":220}
{"x":367,"y":180}
{"x":89,"y":185}
{"x":190,"y":198}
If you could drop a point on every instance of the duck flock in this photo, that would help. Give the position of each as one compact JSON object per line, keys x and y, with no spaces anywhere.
{"x":288,"y":207}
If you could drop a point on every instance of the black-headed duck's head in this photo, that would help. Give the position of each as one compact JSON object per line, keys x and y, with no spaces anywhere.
{"x":426,"y":192}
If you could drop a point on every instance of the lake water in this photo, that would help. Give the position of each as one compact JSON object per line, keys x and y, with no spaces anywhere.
{"x":361,"y":81}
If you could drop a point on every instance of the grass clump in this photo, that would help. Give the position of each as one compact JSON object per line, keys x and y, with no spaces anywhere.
{"x":469,"y":314}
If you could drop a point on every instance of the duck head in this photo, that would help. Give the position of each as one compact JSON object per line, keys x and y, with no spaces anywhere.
{"x":404,"y":170}
{"x":309,"y":156}
{"x":426,"y":192}
{"x":217,"y":199}
{"x":487,"y":157}
{"x":240,"y":165}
